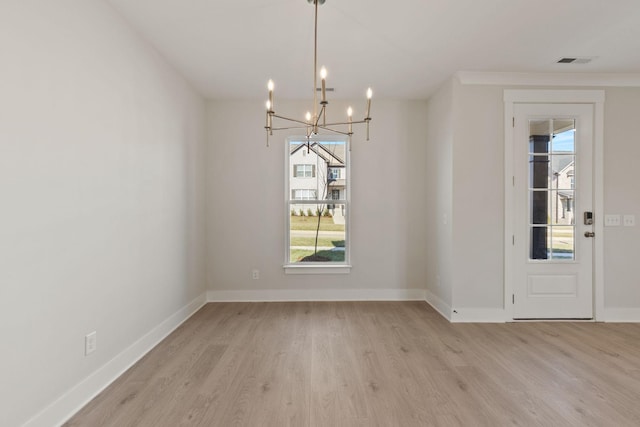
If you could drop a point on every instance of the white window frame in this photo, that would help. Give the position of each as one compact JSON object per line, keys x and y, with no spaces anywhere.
{"x":324,"y":267}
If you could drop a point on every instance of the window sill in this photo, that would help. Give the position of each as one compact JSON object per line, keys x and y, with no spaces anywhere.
{"x":317,"y":269}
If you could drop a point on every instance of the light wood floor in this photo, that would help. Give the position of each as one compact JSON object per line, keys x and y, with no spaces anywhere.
{"x":375,"y":364}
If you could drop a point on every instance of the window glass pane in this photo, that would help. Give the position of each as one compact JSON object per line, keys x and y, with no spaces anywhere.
{"x":539,"y":202}
{"x":539,"y":139}
{"x":539,"y":247}
{"x":562,"y":171}
{"x":561,"y":204}
{"x":552,"y":172}
{"x":563,"y":136}
{"x":539,"y":171}
{"x":317,"y":185}
{"x":562,"y":243}
{"x":552,"y":242}
{"x":318,"y":166}
{"x":317,"y":238}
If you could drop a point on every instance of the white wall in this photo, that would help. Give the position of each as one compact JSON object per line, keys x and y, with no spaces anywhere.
{"x":101,"y":178}
{"x":440,"y":129}
{"x":621,"y":196}
{"x":478,"y":197}
{"x":245,"y":228}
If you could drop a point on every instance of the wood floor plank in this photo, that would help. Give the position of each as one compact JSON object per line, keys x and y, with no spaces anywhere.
{"x":374,"y":364}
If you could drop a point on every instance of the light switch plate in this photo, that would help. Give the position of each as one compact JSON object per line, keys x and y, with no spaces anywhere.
{"x":90,"y":343}
{"x":612,"y":220}
{"x":629,"y":220}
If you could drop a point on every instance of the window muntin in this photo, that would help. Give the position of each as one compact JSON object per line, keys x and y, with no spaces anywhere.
{"x":317,"y":208}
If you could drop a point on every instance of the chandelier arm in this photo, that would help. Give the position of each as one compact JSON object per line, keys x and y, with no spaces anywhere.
{"x":334,"y":130}
{"x":292,"y":127}
{"x":346,"y":123}
{"x":291,"y":120}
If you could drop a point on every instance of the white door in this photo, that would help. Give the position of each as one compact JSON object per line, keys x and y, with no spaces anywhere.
{"x":553,"y":196}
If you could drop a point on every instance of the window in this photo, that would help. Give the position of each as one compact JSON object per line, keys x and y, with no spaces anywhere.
{"x":317,"y":204}
{"x":303,"y":194}
{"x":304,"y":171}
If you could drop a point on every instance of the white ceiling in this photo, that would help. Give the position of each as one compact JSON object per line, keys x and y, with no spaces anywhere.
{"x":402,"y":48}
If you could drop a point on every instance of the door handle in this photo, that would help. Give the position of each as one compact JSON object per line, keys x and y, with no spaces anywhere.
{"x":589,"y":234}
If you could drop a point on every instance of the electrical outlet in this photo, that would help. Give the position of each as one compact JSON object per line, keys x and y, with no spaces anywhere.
{"x":629,"y":220}
{"x":255,"y":274}
{"x":90,"y":343}
{"x":612,"y":220}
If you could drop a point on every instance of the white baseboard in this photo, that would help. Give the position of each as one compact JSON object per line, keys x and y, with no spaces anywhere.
{"x":438,"y":304}
{"x":274,"y":295}
{"x":630,"y":315}
{"x":477,"y":315}
{"x":464,"y":315}
{"x":73,"y":400}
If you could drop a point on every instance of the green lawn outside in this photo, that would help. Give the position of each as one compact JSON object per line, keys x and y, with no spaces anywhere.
{"x":322,"y":241}
{"x":311,"y":222}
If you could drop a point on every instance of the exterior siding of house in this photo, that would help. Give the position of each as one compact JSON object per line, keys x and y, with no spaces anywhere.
{"x":317,"y":182}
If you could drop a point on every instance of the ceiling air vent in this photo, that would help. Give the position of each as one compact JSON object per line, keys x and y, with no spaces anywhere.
{"x":575,"y":60}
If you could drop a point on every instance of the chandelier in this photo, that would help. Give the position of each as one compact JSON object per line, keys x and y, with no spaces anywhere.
{"x":316,"y":121}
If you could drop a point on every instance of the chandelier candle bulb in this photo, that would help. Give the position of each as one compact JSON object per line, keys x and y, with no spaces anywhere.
{"x":369,"y":95}
{"x":323,"y":76}
{"x":350,"y":115}
{"x":270,"y":87}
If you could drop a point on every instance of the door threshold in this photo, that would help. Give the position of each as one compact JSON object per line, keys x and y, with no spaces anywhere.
{"x":556,"y":319}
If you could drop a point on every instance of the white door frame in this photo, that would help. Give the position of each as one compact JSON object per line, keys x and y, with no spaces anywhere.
{"x":595,"y":97}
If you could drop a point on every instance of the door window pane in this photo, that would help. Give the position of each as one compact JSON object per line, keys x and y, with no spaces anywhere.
{"x":552,"y":242}
{"x":561,"y":204}
{"x":539,"y":212}
{"x":564,"y":131}
{"x":562,"y":243}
